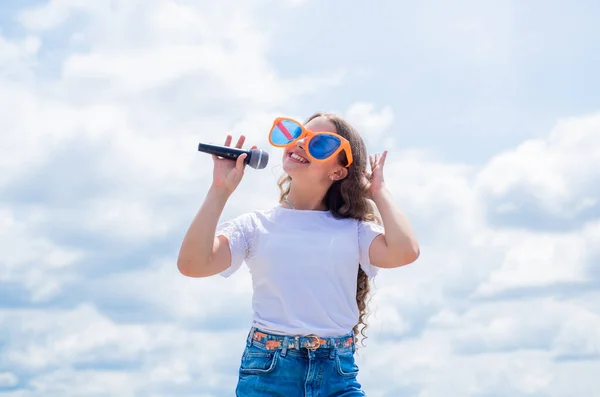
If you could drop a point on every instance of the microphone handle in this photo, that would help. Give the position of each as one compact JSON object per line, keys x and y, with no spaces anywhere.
{"x":223,"y":151}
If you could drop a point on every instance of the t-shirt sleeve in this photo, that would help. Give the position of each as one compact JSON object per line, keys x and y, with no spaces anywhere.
{"x":238,"y":232}
{"x":367,"y":231}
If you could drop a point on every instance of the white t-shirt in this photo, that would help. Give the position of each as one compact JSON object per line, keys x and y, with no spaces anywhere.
{"x":304,"y":267}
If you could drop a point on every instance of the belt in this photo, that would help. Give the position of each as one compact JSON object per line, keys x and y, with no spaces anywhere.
{"x":310,"y":342}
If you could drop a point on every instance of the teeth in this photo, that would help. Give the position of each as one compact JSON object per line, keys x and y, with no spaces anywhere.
{"x":296,"y":157}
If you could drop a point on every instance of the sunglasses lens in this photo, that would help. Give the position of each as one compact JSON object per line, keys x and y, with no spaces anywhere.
{"x":323,"y":146}
{"x":285,"y":132}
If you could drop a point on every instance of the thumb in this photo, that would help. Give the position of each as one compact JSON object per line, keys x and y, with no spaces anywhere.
{"x":239,"y":164}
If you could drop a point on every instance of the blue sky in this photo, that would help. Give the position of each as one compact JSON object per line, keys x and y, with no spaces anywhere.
{"x":492,"y":119}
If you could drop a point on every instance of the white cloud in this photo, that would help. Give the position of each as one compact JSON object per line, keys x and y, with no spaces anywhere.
{"x":60,"y":345}
{"x":109,"y":101}
{"x":8,"y":379}
{"x":102,"y":156}
{"x":484,"y":30}
{"x":540,"y":260}
{"x":370,"y":122}
{"x":164,"y":289}
{"x":491,"y":274}
{"x":14,"y":54}
{"x":555,"y":172}
{"x":490,"y":349}
{"x":36,"y":262}
{"x":51,"y":14}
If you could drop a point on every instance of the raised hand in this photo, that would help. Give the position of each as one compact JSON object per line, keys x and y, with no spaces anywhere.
{"x":374,"y":179}
{"x":227,"y":174}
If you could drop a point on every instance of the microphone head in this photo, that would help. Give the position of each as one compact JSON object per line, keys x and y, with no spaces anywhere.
{"x":258,"y":159}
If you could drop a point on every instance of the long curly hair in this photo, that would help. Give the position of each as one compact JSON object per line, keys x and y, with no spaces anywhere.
{"x":347,"y":198}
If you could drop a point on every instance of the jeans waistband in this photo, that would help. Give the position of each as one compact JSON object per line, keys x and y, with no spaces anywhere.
{"x":309,"y":342}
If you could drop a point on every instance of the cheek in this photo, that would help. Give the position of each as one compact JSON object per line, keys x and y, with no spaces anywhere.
{"x":324,"y":168}
{"x":330,"y":165}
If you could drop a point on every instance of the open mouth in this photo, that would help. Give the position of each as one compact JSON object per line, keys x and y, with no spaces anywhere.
{"x":296,"y":157}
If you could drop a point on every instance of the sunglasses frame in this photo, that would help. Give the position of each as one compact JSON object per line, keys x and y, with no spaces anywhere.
{"x":344,"y":143}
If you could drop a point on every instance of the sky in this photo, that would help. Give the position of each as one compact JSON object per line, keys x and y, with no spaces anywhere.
{"x":490,"y":113}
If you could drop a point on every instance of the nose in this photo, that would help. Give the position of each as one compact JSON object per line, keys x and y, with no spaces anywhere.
{"x":301,"y":143}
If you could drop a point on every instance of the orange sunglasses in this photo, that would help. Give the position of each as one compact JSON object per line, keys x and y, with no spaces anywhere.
{"x":320,"y":146}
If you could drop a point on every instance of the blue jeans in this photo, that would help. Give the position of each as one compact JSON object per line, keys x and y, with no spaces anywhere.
{"x":278,"y":366}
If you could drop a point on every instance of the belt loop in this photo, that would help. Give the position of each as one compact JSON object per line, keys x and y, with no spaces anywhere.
{"x":250,"y":335}
{"x":286,"y":342}
{"x":332,"y":348}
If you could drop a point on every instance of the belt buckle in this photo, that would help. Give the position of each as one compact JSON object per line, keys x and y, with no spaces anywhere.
{"x":312,"y":346}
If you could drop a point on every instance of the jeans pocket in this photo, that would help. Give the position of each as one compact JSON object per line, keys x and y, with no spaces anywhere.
{"x":345,"y":364}
{"x":257,"y":361}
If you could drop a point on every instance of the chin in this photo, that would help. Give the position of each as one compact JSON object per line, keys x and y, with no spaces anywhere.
{"x":290,"y":169}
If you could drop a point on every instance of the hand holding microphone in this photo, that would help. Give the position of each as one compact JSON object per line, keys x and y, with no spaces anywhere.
{"x":229,"y":163}
{"x":254,"y":157}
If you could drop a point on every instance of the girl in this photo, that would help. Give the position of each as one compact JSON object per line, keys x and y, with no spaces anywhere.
{"x":310,"y":257}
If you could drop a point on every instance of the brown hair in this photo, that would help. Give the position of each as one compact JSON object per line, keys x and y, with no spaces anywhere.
{"x":347,"y":198}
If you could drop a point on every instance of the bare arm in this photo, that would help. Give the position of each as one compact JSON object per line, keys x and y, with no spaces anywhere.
{"x":398,"y":246}
{"x":201,"y":253}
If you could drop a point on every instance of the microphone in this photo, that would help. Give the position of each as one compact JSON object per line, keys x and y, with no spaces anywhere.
{"x":256,"y":158}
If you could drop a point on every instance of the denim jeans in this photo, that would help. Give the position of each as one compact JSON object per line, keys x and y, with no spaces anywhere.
{"x":285,"y":370}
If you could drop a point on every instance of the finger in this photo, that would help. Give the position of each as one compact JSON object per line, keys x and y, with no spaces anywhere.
{"x":254,"y":147}
{"x":371,"y":160}
{"x":228,"y":140}
{"x":383,"y":157}
{"x":240,"y":142}
{"x":239,"y":164}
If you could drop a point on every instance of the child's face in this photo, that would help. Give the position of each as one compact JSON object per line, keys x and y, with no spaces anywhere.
{"x":297,"y":164}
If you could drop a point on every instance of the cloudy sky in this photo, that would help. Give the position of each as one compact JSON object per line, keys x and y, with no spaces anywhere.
{"x":490,"y":111}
